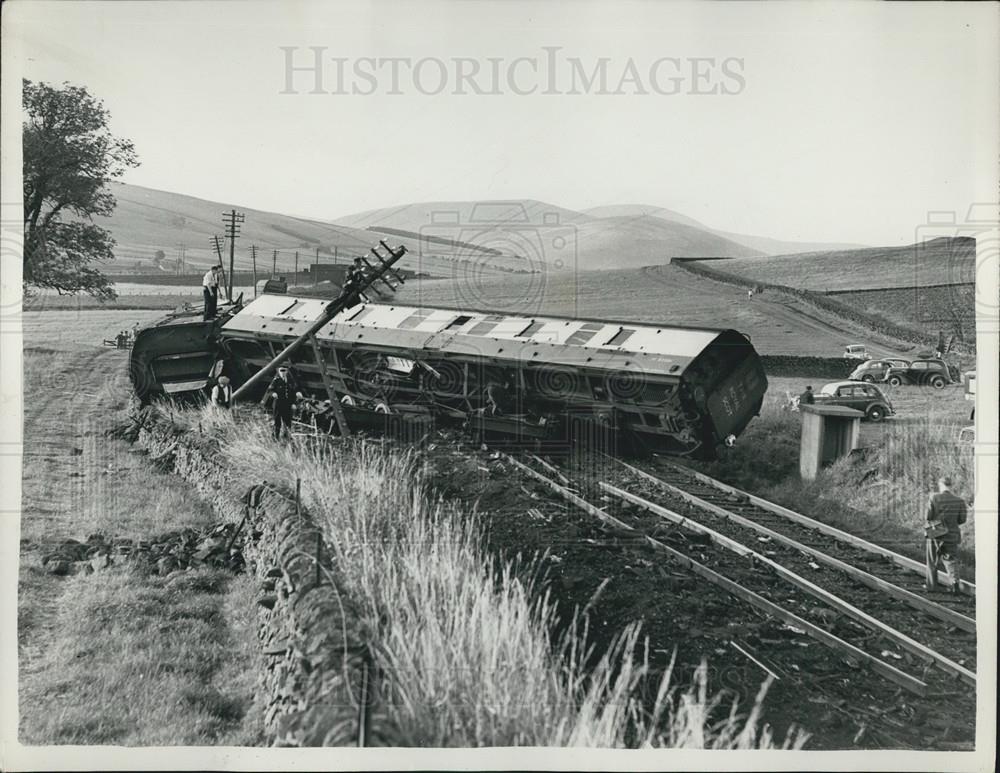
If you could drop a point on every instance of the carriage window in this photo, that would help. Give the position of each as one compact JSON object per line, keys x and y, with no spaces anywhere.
{"x":415,"y":319}
{"x":620,"y":337}
{"x":457,"y":322}
{"x":291,"y":308}
{"x":584,"y":334}
{"x":530,"y":330}
{"x":484,"y":327}
{"x":361,"y":313}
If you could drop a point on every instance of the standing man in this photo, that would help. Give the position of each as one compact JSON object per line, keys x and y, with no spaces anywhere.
{"x":945,"y":513}
{"x":807,"y":397}
{"x":284,"y":391}
{"x":210,"y":289}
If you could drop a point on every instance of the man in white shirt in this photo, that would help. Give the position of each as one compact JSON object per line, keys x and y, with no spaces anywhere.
{"x":210,"y":288}
{"x":222,"y":393}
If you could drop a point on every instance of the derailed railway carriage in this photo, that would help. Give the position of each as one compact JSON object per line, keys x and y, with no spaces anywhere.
{"x":677,"y":390}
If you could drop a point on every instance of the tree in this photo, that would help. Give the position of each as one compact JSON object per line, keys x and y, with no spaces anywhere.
{"x":70,"y":156}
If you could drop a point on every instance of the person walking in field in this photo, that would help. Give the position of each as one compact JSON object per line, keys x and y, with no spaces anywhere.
{"x":946,"y":512}
{"x":210,"y":289}
{"x":284,"y":391}
{"x":222,"y":393}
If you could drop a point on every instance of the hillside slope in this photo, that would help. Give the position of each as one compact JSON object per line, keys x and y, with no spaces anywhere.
{"x":657,"y":294}
{"x":545,"y":233}
{"x":147,"y":221}
{"x":761,"y":244}
{"x":934,"y":262}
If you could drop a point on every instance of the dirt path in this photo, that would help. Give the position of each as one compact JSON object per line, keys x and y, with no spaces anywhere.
{"x":77,"y":676}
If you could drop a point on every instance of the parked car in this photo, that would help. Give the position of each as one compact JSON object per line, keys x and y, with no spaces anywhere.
{"x":877,"y":370}
{"x":866,"y":398}
{"x":856,"y":352}
{"x":927,"y":372}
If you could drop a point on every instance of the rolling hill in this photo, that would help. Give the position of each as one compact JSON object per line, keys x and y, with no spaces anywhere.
{"x":560,"y":237}
{"x":941,"y":261}
{"x":761,"y":244}
{"x":147,"y":221}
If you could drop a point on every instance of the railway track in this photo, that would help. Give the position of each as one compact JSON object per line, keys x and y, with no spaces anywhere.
{"x":831,"y":588}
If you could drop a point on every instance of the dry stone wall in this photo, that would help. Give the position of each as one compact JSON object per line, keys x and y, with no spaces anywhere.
{"x":318,"y":685}
{"x":820,"y":301}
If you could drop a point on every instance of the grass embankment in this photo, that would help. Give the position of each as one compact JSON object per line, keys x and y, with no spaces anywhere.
{"x":880,"y":495}
{"x":119,"y":656}
{"x":462,"y":638}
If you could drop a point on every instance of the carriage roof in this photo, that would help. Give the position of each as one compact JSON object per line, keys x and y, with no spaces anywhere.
{"x":599,"y":344}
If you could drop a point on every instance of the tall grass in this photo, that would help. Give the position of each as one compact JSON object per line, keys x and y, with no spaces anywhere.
{"x":881,"y":495}
{"x":464,"y":642}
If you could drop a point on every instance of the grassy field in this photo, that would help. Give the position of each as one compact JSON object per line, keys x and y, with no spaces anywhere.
{"x":882,"y":495}
{"x":118,"y":656}
{"x":938,"y":261}
{"x":656,"y":294}
{"x":951,"y":309}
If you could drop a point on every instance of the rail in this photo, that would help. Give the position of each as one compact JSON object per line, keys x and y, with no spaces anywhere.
{"x":901,"y":594}
{"x":901,"y":678}
{"x":852,"y":539}
{"x":802,"y":583}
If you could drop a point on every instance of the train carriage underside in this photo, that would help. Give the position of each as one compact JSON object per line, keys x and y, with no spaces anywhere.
{"x":676,"y":390}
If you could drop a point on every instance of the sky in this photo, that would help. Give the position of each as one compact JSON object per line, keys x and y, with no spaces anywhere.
{"x":842,"y":122}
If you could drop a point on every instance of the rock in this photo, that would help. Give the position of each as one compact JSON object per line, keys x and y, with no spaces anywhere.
{"x":267,"y":601}
{"x":58,"y":567}
{"x":100,"y":561}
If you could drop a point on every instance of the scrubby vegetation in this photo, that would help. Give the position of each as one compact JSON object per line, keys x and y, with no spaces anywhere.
{"x":463,"y":638}
{"x":881,"y":493}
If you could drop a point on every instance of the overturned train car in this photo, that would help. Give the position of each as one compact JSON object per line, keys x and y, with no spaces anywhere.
{"x":677,"y":390}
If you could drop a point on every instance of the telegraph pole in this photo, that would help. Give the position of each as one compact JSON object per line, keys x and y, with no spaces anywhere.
{"x":253,"y":255}
{"x":232,"y":222}
{"x":296,"y":266}
{"x":274,"y":263}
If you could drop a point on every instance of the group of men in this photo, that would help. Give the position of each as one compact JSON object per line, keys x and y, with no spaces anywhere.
{"x":283,"y":391}
{"x":126,"y":338}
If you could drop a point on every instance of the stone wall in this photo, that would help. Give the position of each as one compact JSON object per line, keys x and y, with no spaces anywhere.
{"x":833,"y":368}
{"x":318,"y":686}
{"x":819,"y":300}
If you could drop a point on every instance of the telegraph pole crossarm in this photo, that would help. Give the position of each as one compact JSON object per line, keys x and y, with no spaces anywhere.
{"x":232,"y":222}
{"x":332,"y":309}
